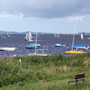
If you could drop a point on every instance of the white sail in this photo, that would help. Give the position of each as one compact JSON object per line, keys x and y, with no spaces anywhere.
{"x":28,"y":36}
{"x":81,"y":36}
{"x":56,"y":35}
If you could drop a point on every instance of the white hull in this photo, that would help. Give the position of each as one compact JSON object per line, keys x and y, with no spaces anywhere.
{"x":38,"y":54}
{"x":60,"y":45}
{"x":7,"y":48}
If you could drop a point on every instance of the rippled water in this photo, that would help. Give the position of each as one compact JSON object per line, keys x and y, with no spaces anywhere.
{"x":47,"y":42}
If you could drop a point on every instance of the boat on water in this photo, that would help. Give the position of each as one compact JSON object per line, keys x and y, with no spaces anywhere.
{"x":80,"y":47}
{"x":60,"y":45}
{"x":33,"y":46}
{"x":81,"y":36}
{"x":36,"y":46}
{"x":7,"y":48}
{"x":38,"y":54}
{"x":88,"y":38}
{"x":56,"y":35}
{"x":73,"y":51}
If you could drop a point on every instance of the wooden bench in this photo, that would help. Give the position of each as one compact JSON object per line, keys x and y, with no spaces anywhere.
{"x":79,"y":77}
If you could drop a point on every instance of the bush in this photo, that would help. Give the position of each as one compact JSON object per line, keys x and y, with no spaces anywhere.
{"x":36,"y":68}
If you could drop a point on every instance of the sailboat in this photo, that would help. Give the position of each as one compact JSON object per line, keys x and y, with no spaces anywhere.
{"x":84,"y":47}
{"x":36,"y":46}
{"x":56,"y":35}
{"x":74,"y":51}
{"x":28,"y":36}
{"x":81,"y":36}
{"x":33,"y":45}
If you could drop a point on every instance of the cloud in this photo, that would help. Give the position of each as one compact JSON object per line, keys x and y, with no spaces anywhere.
{"x":10,"y":16}
{"x":46,"y":8}
{"x":77,"y":18}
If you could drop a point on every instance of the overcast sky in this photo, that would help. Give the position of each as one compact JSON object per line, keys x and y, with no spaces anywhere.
{"x":53,"y":16}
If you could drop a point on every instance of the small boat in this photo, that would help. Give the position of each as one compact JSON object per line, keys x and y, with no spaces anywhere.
{"x":56,"y":35}
{"x":80,"y":47}
{"x":42,"y":53}
{"x":7,"y":35}
{"x":88,"y":38}
{"x":33,"y":46}
{"x":60,"y":45}
{"x":38,"y":54}
{"x":74,"y":52}
{"x":7,"y":48}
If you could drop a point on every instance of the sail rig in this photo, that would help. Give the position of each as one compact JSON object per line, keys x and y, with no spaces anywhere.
{"x":28,"y":36}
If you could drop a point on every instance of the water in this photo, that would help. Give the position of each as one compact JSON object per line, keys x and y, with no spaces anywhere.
{"x":47,"y":42}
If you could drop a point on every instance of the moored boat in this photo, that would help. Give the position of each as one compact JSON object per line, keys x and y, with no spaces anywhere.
{"x":38,"y":54}
{"x":33,"y":46}
{"x":60,"y":45}
{"x":74,"y":52}
{"x":80,"y":47}
{"x":7,"y":48}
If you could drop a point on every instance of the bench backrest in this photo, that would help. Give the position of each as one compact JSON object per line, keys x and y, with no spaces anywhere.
{"x":79,"y":76}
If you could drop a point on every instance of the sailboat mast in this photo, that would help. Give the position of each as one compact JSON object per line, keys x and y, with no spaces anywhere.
{"x":35,"y":43}
{"x":73,"y":37}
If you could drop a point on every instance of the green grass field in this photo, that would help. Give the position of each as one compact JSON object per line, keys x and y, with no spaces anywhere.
{"x":44,"y":73}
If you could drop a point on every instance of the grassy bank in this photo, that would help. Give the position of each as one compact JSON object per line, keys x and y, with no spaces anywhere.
{"x":44,"y":73}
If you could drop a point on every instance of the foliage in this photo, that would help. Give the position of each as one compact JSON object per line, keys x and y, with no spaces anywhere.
{"x":44,"y":69}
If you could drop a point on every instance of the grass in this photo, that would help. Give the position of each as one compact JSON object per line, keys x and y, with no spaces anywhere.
{"x":44,"y":73}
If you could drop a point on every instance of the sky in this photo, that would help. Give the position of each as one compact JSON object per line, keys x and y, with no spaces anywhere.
{"x":49,"y":16}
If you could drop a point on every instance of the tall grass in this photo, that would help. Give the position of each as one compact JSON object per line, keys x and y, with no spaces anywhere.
{"x":44,"y":70}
